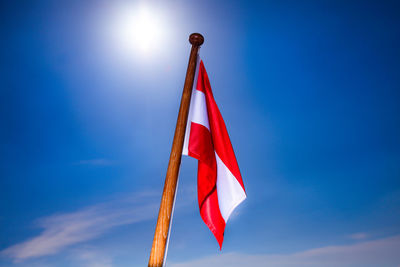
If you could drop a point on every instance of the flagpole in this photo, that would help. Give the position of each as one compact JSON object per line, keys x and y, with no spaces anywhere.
{"x":170,"y":222}
{"x":167,"y":199}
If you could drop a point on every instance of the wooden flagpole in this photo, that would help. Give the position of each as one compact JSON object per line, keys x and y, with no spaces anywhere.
{"x":164,"y":214}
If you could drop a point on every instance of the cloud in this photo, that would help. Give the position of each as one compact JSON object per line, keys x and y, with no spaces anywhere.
{"x":93,"y":258}
{"x":358,"y":236}
{"x":67,"y":229}
{"x":381,"y":252}
{"x":96,"y":162}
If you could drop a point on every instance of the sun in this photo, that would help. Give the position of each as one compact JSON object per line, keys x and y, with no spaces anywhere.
{"x":138,"y":30}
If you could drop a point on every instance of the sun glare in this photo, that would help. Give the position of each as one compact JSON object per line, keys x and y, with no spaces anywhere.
{"x":138,"y":30}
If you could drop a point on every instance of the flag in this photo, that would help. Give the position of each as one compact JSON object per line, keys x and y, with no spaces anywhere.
{"x":220,"y":187}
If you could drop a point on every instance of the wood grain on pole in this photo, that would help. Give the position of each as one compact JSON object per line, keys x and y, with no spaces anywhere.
{"x":164,"y":214}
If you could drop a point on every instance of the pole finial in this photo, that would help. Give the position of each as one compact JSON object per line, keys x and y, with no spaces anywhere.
{"x":196,"y":39}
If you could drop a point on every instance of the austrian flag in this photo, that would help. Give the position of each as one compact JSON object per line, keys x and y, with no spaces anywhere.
{"x":220,"y":187}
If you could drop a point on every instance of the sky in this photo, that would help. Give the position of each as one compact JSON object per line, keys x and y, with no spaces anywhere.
{"x":90,"y":91}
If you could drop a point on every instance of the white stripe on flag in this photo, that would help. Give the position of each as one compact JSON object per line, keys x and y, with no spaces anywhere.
{"x":185,"y":150}
{"x":230,"y":192}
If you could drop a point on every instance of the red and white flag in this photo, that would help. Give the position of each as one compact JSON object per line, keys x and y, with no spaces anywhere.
{"x":219,"y":183}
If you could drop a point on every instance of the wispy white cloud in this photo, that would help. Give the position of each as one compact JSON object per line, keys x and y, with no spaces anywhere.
{"x":96,"y":162}
{"x":358,"y":236}
{"x":381,"y":252}
{"x":66,"y":229}
{"x":92,"y":258}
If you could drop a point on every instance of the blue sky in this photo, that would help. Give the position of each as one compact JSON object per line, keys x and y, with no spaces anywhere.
{"x":310,"y":93}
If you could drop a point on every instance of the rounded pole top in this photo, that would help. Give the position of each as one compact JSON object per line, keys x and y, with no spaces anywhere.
{"x":196,"y":39}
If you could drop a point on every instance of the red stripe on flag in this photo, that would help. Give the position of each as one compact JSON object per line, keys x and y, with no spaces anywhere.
{"x":211,"y":215}
{"x":201,"y":148}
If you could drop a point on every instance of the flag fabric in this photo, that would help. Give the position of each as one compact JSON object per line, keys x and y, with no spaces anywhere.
{"x":220,"y":187}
